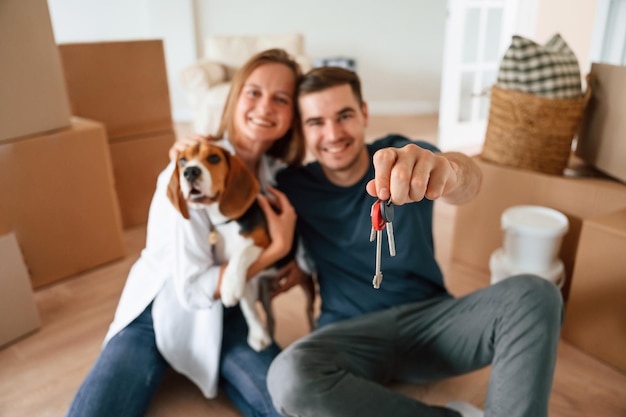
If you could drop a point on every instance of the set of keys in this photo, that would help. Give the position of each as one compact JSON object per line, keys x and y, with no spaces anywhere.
{"x":382,"y":216}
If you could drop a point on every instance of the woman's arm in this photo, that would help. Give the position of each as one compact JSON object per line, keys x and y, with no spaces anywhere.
{"x":281,"y":223}
{"x":196,"y":275}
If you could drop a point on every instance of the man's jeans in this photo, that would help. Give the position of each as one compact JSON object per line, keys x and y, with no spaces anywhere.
{"x":129,"y":370}
{"x":341,"y":369}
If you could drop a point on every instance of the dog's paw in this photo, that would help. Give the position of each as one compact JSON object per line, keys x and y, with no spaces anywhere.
{"x":231,"y":290}
{"x":259,"y":340}
{"x":230,"y":295}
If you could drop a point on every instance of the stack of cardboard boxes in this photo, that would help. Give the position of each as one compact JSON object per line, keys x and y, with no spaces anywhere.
{"x":124,"y":85}
{"x":85,"y":130}
{"x":59,"y":210}
{"x":17,"y":304}
{"x":595,"y":318}
{"x":592,"y":251}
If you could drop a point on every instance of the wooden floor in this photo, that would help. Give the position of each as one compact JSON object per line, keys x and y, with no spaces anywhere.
{"x":40,"y":373}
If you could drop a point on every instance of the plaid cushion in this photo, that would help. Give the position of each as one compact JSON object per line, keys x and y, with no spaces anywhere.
{"x":550,"y":70}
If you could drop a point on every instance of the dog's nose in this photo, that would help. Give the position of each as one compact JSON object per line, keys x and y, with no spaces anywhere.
{"x":192,"y":173}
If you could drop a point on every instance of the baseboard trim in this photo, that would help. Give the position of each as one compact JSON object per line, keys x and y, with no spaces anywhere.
{"x":398,"y":107}
{"x":391,"y":108}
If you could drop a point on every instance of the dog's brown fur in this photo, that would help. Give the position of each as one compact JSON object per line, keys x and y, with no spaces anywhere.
{"x":234,"y":188}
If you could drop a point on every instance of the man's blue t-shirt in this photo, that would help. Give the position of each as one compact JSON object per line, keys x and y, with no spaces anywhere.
{"x":334,"y":223}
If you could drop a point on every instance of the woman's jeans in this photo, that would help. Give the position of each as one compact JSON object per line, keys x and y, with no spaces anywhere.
{"x":130,"y":368}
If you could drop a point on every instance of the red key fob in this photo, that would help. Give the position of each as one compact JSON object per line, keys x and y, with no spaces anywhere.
{"x":378,"y":222}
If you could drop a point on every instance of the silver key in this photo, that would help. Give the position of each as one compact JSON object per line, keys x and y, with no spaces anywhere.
{"x":373,"y":232}
{"x":378,"y":276}
{"x":387,"y":212}
{"x":390,"y":238}
{"x":378,"y":224}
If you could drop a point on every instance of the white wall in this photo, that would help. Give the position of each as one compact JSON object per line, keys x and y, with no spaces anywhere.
{"x":575,"y":24}
{"x":398,"y":44}
{"x":114,"y":20}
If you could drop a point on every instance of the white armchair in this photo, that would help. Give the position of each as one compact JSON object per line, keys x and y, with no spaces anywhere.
{"x":207,"y":82}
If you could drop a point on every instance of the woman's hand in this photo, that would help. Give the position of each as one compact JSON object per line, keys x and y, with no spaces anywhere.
{"x":287,"y":277}
{"x":281,"y":223}
{"x":185,"y":141}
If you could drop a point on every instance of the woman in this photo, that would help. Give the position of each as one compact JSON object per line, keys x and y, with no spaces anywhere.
{"x":153,"y":329}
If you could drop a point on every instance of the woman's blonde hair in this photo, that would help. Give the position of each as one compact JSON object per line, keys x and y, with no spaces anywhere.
{"x":289,"y":148}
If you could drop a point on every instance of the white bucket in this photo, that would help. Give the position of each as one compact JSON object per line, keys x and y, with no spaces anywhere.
{"x":501,"y":268}
{"x":532,"y":237}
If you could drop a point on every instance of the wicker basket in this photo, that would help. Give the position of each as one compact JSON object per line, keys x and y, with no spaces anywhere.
{"x":531,"y":132}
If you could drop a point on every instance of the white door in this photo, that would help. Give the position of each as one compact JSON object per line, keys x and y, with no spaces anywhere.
{"x":477,"y":35}
{"x":609,"y":39}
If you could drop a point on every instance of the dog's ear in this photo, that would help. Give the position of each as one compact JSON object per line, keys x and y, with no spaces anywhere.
{"x":175,"y":194}
{"x":240,"y":188}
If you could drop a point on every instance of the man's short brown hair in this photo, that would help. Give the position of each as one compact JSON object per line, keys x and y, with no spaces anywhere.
{"x":319,"y":79}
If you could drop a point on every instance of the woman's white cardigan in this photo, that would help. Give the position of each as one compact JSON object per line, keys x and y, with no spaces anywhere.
{"x":178,"y":271}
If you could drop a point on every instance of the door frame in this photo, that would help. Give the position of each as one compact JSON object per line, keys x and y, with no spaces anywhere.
{"x":519,"y":17}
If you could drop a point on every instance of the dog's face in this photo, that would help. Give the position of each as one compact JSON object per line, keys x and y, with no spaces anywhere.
{"x":207,"y":174}
{"x":202,"y":174}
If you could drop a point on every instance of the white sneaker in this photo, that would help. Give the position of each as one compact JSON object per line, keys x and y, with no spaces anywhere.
{"x":465,"y":409}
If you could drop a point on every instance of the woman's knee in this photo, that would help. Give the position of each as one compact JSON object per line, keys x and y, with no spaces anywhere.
{"x":243,"y":377}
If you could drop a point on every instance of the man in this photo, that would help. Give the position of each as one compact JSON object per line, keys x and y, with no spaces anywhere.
{"x":410,"y":329}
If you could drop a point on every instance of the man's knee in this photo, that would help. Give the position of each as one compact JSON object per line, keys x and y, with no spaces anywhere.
{"x":293,"y":379}
{"x":539,"y":296}
{"x":284,"y":381}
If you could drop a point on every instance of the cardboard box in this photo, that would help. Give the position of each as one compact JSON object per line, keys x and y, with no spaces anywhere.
{"x":17,"y":304}
{"x":122,"y":84}
{"x":33,"y":97}
{"x":137,"y":162}
{"x":477,"y":230}
{"x":595,"y":319}
{"x":603,"y":129}
{"x":58,"y":197}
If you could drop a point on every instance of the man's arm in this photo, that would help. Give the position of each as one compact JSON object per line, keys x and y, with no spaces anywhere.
{"x":469,"y":178}
{"x":410,"y":173}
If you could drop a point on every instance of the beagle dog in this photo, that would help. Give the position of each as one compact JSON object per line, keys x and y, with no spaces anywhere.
{"x":208,"y":176}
